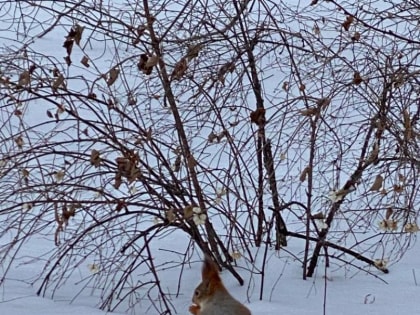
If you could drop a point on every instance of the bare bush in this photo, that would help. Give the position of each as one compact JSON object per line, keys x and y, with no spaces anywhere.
{"x":239,"y":124}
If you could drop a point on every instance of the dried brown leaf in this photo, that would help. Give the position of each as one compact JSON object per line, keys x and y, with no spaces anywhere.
{"x":95,"y":158}
{"x":131,"y":100}
{"x":388,"y":214}
{"x":152,"y":61}
{"x":67,"y":59}
{"x":318,"y":216}
{"x":316,"y":29}
{"x":407,"y":125}
{"x":310,"y":111}
{"x":60,"y":108}
{"x":25,"y":173}
{"x":141,"y":65}
{"x":348,"y":21}
{"x":377,"y":184}
{"x":258,"y":116}
{"x":118,"y":181}
{"x":211,"y":137}
{"x":398,"y":188}
{"x":85,"y":61}
{"x":374,"y":154}
{"x":177,"y":164}
{"x":19,"y":141}
{"x":68,"y":45}
{"x":193,"y":51}
{"x":411,"y":228}
{"x":188,"y":212}
{"x":24,"y":78}
{"x":78,"y":30}
{"x":149,"y":134}
{"x":304,"y":173}
{"x":191,"y":162}
{"x":323,"y":103}
{"x":112,"y":76}
{"x":401,"y":178}
{"x":170,"y":215}
{"x":58,"y":82}
{"x":355,"y":37}
{"x":179,"y":69}
{"x":140,"y":30}
{"x":120,"y":205}
{"x":357,"y":78}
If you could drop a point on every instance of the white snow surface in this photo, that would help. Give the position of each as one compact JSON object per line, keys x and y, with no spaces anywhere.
{"x":334,"y":291}
{"x":342,"y":291}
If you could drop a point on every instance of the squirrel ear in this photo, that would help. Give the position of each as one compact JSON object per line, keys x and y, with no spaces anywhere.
{"x":210,"y":269}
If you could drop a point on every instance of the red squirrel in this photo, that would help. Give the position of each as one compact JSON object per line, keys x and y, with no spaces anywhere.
{"x":211,"y":296}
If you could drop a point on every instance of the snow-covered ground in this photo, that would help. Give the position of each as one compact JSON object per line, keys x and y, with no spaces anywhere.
{"x":343,"y":291}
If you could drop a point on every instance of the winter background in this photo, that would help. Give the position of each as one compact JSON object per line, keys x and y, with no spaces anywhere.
{"x":347,"y":286}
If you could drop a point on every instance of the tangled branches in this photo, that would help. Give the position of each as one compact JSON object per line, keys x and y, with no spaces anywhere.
{"x":234,"y":125}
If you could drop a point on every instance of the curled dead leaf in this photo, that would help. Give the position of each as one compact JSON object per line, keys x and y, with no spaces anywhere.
{"x":381,"y":264}
{"x":407,"y":125}
{"x":188,"y":212}
{"x":211,"y":137}
{"x":141,"y":65}
{"x":374,"y":154}
{"x":304,"y":173}
{"x":193,"y":51}
{"x":95,"y":158}
{"x":118,"y":181}
{"x":152,"y":61}
{"x":347,"y":22}
{"x":355,"y":37}
{"x":389,"y":212}
{"x":318,"y":216}
{"x":258,"y":116}
{"x":323,"y":103}
{"x":58,"y":82}
{"x":76,"y":32}
{"x":177,"y":164}
{"x":85,"y":61}
{"x":179,"y":69}
{"x":19,"y":141}
{"x":68,"y":45}
{"x":357,"y":78}
{"x":25,"y":173}
{"x":24,"y":78}
{"x":398,"y":188}
{"x":191,"y":162}
{"x":112,"y":76}
{"x":377,"y":184}
{"x":236,"y":255}
{"x":170,"y":215}
{"x":388,"y":225}
{"x":411,"y":228}
{"x":310,"y":111}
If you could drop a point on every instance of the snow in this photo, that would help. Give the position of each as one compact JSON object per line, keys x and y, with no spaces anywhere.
{"x":336,"y":290}
{"x":342,"y":291}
